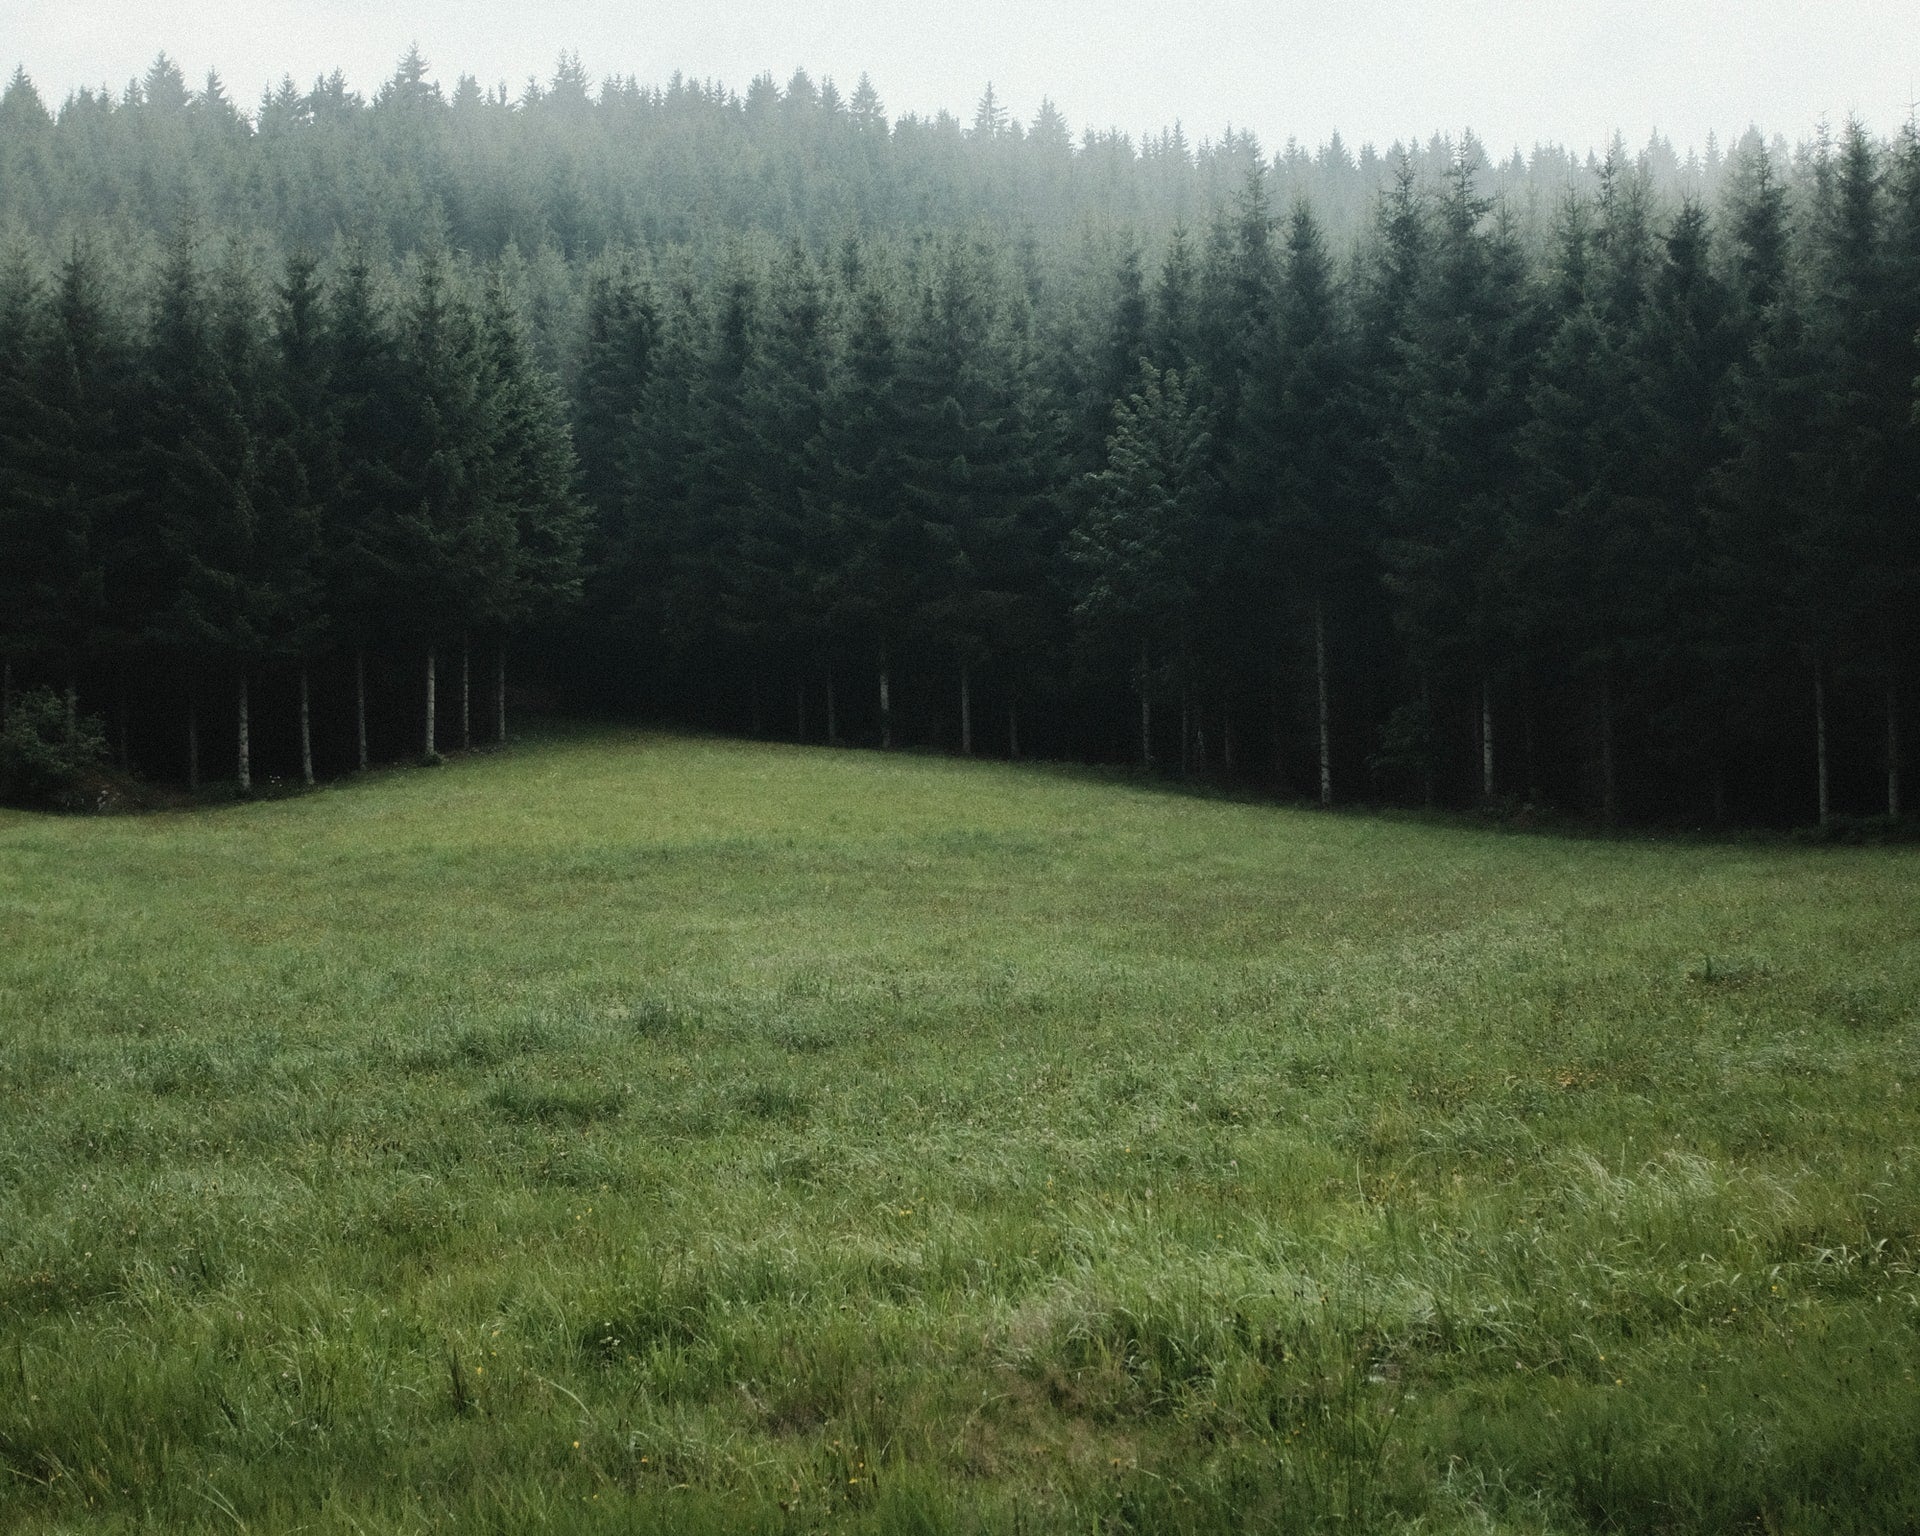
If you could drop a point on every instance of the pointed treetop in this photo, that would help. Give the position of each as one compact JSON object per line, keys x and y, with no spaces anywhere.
{"x":20,"y":103}
{"x":165,"y":87}
{"x":990,"y":117}
{"x":865,"y":105}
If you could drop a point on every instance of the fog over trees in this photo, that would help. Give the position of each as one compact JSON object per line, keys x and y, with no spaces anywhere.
{"x":1405,"y":474}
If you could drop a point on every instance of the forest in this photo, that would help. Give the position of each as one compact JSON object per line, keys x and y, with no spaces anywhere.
{"x":1416,"y":475}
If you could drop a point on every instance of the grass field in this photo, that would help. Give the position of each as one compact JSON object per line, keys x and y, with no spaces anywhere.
{"x":631,"y":1132}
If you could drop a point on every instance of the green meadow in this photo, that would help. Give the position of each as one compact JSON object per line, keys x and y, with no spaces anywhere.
{"x":631,"y":1132}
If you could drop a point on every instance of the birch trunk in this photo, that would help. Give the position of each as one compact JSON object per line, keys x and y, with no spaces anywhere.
{"x":833,"y":713}
{"x":800,"y":710}
{"x":246,"y":740}
{"x":466,"y":691}
{"x":73,"y":709}
{"x":1893,"y":750}
{"x":1320,"y":678}
{"x":193,"y":739}
{"x":966,"y":712}
{"x":1486,"y":740}
{"x":1226,"y":745}
{"x":6,"y":690}
{"x":886,"y":706}
{"x":306,"y":727}
{"x":432,"y":681}
{"x":120,"y":721}
{"x":1820,"y":741}
{"x":360,"y":702}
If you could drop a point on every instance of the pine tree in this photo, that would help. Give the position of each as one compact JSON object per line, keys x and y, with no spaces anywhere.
{"x":1140,"y":548}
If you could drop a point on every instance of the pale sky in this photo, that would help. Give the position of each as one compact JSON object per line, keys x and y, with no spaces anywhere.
{"x":1516,"y":71}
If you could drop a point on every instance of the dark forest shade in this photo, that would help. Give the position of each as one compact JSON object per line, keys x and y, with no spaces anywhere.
{"x":1413,"y":477}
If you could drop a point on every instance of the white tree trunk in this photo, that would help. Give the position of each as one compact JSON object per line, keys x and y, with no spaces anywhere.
{"x":360,"y":701}
{"x":6,"y":690}
{"x":966,"y":712}
{"x":193,"y":739}
{"x":306,"y":728}
{"x":1226,"y":745}
{"x":1820,"y":741}
{"x":466,"y":691}
{"x":73,"y":709}
{"x":432,"y":660}
{"x":886,"y":706}
{"x":246,"y":740}
{"x":1326,"y":714}
{"x":833,"y":713}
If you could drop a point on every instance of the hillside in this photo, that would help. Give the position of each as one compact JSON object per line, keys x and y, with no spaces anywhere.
{"x":633,"y":1131}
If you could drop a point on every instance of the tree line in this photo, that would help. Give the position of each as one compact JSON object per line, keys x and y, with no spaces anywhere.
{"x":1628,"y":521}
{"x":208,"y":480}
{"x":1580,"y":483}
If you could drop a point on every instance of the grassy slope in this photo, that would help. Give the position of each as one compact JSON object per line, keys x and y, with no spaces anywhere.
{"x":634,"y":1130}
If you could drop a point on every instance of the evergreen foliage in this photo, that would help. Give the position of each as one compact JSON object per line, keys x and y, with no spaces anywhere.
{"x":1590,"y":484}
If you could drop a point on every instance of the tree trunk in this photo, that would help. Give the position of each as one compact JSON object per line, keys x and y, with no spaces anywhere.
{"x":360,"y":702}
{"x":246,"y":740}
{"x":1279,"y":738}
{"x":1146,"y":714}
{"x":466,"y":691}
{"x":432,"y":660}
{"x":306,"y":727}
{"x":756,"y":721}
{"x":500,"y":692}
{"x":1326,"y":718}
{"x":1609,"y":778}
{"x":1226,"y":746}
{"x":6,"y":690}
{"x":193,"y":739}
{"x":1719,"y":795}
{"x":833,"y":712}
{"x":1426,"y":754}
{"x":73,"y":709}
{"x":966,"y":711}
{"x":1013,"y":726}
{"x":1893,"y":749}
{"x":1186,"y":728}
{"x":800,"y":709}
{"x":886,"y":706}
{"x":1486,"y":740}
{"x":1820,"y":741}
{"x":120,"y":720}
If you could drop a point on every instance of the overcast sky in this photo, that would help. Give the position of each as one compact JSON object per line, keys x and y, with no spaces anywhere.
{"x":1516,"y":71}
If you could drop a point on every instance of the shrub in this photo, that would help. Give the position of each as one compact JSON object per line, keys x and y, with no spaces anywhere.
{"x":47,"y":756}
